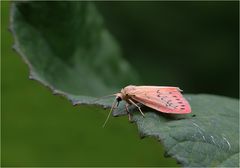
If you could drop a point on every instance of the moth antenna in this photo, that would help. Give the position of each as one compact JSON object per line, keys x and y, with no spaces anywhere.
{"x":113,"y":106}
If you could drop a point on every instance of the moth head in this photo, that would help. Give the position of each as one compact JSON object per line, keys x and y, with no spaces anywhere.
{"x":119,"y":97}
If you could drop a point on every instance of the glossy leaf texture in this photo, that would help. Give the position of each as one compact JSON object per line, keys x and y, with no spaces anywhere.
{"x":207,"y":137}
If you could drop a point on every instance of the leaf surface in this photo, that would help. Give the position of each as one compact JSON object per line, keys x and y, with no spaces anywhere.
{"x":68,"y":49}
{"x":209,"y":136}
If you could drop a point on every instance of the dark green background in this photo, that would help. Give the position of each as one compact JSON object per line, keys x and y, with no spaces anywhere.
{"x":193,"y":45}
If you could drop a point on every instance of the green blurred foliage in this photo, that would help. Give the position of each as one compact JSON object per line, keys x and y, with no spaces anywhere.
{"x":193,"y":45}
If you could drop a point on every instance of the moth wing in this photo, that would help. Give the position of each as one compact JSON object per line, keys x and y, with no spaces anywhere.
{"x":163,"y":99}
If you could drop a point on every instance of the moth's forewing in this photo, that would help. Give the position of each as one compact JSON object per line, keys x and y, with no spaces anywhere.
{"x":163,"y":99}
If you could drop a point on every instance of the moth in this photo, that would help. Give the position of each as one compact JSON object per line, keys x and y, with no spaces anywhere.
{"x":164,"y":99}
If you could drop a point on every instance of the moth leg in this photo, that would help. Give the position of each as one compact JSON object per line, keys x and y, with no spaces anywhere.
{"x":129,"y":115}
{"x":137,"y":107}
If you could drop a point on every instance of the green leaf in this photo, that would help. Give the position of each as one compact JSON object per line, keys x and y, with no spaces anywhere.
{"x":68,"y":49}
{"x":209,"y":136}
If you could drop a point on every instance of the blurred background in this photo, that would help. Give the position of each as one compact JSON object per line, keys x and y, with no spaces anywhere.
{"x":193,"y":45}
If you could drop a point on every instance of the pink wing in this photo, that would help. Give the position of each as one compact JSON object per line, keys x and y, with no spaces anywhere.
{"x":163,"y":99}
